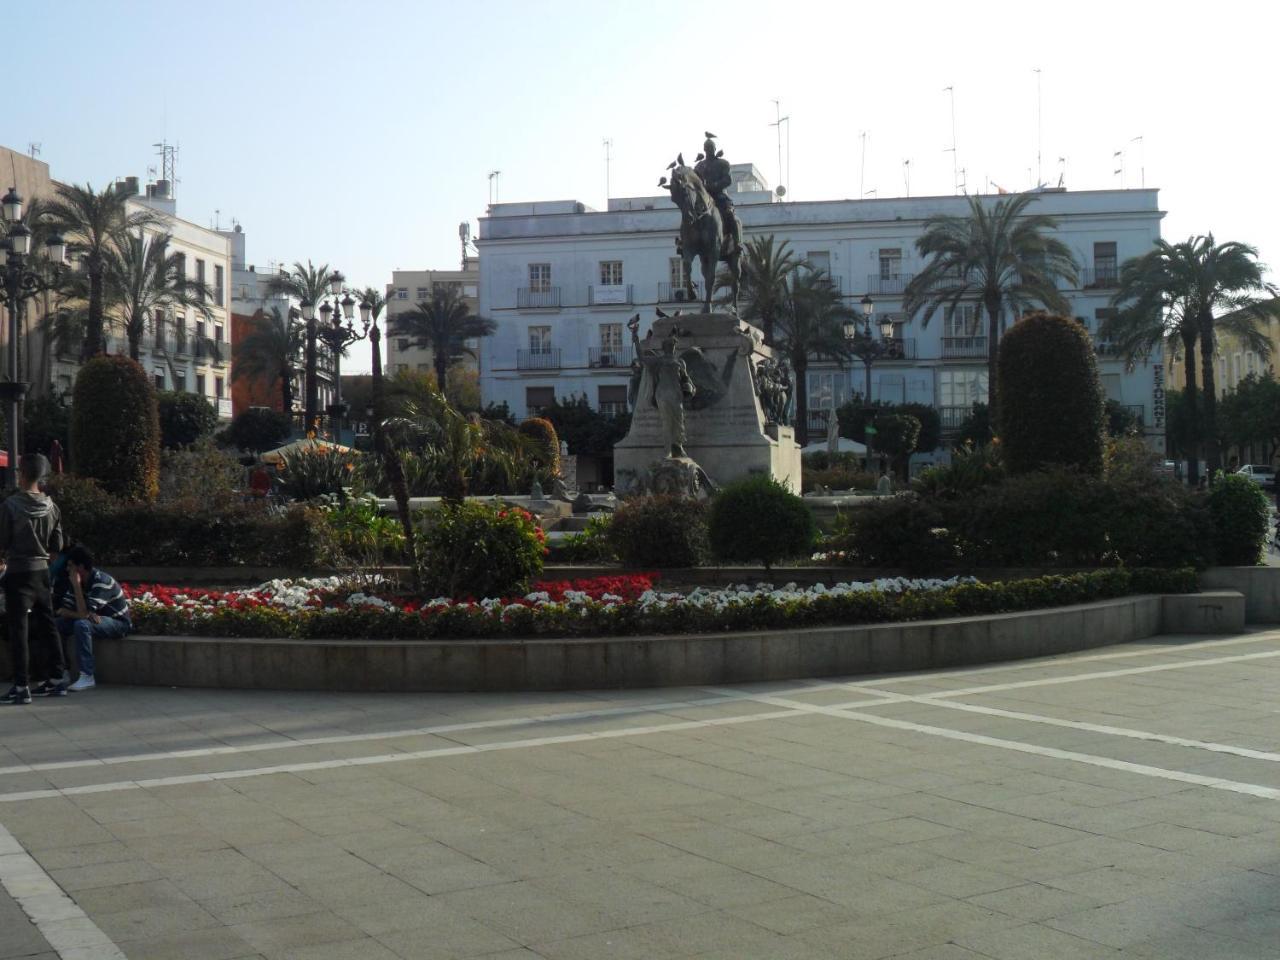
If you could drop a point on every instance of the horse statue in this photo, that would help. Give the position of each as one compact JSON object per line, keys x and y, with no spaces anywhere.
{"x":702,"y":233}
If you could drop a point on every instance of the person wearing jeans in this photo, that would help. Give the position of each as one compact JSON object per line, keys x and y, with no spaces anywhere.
{"x":91,"y":606}
{"x":30,"y":532}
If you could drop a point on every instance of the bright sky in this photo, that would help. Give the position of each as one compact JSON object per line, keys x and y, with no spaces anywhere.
{"x":362,"y":134}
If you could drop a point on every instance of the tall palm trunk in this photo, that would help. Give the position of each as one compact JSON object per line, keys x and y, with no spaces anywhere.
{"x":1188,"y":335}
{"x":286,"y":391}
{"x":992,"y":304}
{"x":135,"y":344}
{"x":441,"y":359}
{"x":801,"y":364}
{"x":1213,"y":454}
{"x":93,"y":331}
{"x":391,"y":464}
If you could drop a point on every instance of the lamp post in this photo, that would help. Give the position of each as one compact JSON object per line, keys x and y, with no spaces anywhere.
{"x":867,"y":348}
{"x":23,"y":278}
{"x":311,"y":387}
{"x":338,"y":332}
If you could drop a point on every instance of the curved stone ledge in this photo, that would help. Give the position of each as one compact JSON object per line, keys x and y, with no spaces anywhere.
{"x":694,"y":659}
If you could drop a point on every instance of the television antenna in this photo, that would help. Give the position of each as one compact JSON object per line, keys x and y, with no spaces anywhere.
{"x":495,"y":178}
{"x":1142,"y":159}
{"x":906,"y":175}
{"x":608,"y":156}
{"x":777,"y":125}
{"x":955,"y":160}
{"x":33,"y":149}
{"x":168,"y":154}
{"x":1039,"y":126}
{"x":464,"y":234}
{"x":862,"y":170}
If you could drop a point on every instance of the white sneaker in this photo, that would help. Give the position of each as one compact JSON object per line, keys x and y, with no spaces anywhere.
{"x":84,"y":683}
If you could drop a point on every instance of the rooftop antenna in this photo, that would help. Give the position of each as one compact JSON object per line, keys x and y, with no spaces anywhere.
{"x":608,"y":155}
{"x":1062,"y":171}
{"x":964,"y":180}
{"x":777,"y":124}
{"x":495,"y":177}
{"x":168,"y":154}
{"x":464,"y":234}
{"x":33,"y":149}
{"x":1142,"y":159}
{"x":217,"y":219}
{"x":1118,"y":158}
{"x":906,"y":175}
{"x":1039,"y":128}
{"x":872,"y":193}
{"x":862,"y":171}
{"x":955,"y":162}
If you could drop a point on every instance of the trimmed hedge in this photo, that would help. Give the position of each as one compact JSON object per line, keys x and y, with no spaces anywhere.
{"x":597,"y":619}
{"x":115,"y":427}
{"x":479,"y":550}
{"x":758,"y":519}
{"x":1049,"y":396}
{"x":660,"y":532}
{"x":184,"y":418}
{"x":1241,"y":516}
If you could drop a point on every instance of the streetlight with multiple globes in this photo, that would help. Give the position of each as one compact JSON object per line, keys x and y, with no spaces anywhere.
{"x":311,"y":412}
{"x":865,"y":346}
{"x":338,"y":332}
{"x":22,"y":278}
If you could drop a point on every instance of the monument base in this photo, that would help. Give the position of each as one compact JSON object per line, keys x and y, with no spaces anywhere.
{"x":726,"y":432}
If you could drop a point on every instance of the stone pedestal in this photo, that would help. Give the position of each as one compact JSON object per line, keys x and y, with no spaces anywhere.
{"x":726,"y":431}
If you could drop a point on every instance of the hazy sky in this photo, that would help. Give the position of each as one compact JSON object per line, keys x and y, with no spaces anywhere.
{"x":361,"y":134}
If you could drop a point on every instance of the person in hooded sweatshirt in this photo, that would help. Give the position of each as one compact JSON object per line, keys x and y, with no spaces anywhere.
{"x":30,"y":533}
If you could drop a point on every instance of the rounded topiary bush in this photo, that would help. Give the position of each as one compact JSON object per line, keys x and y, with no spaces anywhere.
{"x":543,"y":433}
{"x":115,"y":428}
{"x":479,"y":550}
{"x":1240,"y":517}
{"x":256,"y":429}
{"x":759,"y":520}
{"x":661,"y":531}
{"x":184,"y":418}
{"x":1051,"y":410}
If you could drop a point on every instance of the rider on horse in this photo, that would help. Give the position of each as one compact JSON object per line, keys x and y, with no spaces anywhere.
{"x":713,"y":169}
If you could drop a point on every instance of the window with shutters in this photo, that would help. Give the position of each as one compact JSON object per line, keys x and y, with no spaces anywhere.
{"x":537,"y":399}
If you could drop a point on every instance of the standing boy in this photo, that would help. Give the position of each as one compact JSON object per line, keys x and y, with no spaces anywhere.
{"x":30,"y":533}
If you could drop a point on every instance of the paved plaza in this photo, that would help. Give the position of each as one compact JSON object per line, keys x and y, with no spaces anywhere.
{"x":1118,"y":803}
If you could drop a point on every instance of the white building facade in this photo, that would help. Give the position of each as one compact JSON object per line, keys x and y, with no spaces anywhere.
{"x":560,"y":280}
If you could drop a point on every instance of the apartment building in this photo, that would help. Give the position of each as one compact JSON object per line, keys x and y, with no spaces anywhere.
{"x":561,"y":279}
{"x":406,"y":290}
{"x":1233,"y":360}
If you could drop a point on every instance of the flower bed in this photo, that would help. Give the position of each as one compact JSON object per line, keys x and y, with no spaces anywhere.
{"x":335,"y":607}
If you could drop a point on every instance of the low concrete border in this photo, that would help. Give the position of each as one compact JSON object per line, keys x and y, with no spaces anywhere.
{"x":684,"y":660}
{"x":1260,"y":586}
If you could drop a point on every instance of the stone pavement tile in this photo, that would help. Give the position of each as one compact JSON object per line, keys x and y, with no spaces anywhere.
{"x":1168,"y":836}
{"x":627,"y":898}
{"x":874,"y":934}
{"x":947,"y":951}
{"x":463,"y":874}
{"x":834,"y":880}
{"x":85,"y":855}
{"x":840,"y":840}
{"x":1258,"y":926}
{"x":337,"y":891}
{"x":237,"y":908}
{"x":961,"y":880}
{"x":1034,"y":901}
{"x":529,"y":914}
{"x":795,"y":914}
{"x":907,"y":829}
{"x":709,"y":883}
{"x":449,"y":936}
{"x":332,"y":864}
{"x":282,"y":933}
{"x":363,"y":948}
{"x":1186,"y":943}
{"x":113,"y":873}
{"x":1033,"y":941}
{"x":624,"y":944}
{"x":715,"y":931}
{"x":131,"y":896}
{"x":19,"y":937}
{"x":212,"y":943}
{"x":1108,"y":884}
{"x":142,"y":923}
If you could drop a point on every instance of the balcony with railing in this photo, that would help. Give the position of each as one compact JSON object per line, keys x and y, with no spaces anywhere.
{"x":894,"y":284}
{"x":614,"y":294}
{"x":210,"y":350}
{"x":953,"y":418}
{"x":899,"y":348}
{"x":1138,"y":411}
{"x":964,"y":348}
{"x":545,"y":359}
{"x":538,"y":298}
{"x":609,"y":356}
{"x":676,"y":293}
{"x":1101,"y":276}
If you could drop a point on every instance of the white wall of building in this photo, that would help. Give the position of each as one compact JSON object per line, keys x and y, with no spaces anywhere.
{"x":552,"y":329}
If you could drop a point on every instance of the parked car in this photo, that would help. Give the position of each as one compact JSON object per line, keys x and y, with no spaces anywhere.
{"x":1261,"y":474}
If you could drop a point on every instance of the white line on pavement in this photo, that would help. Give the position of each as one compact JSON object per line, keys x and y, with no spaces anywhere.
{"x":1142,"y":769}
{"x":60,"y":921}
{"x":459,"y":750}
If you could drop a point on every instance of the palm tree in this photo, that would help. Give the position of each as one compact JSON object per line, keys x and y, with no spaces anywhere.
{"x":1173,"y":292}
{"x":998,"y":257}
{"x":269,"y":351}
{"x":373,"y":299}
{"x":765,"y":269}
{"x":810,"y":323}
{"x":94,"y":221}
{"x":309,"y":284}
{"x":444,"y":324}
{"x":145,"y":280}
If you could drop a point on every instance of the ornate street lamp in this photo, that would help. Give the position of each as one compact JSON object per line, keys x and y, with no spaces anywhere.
{"x":22,"y":277}
{"x":338,"y":332}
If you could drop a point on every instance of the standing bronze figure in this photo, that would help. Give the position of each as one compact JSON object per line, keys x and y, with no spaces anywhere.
{"x":709,"y":227}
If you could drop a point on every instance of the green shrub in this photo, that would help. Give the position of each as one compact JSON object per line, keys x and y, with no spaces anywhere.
{"x":310,"y":472}
{"x":548,"y":443}
{"x":904,"y":533}
{"x":1240,"y":518}
{"x":184,"y":418}
{"x":971,"y":468}
{"x":256,"y":429}
{"x":479,"y":550}
{"x":592,"y":545}
{"x":363,"y":533}
{"x":757,"y":519}
{"x":1054,"y":517}
{"x":1050,"y":399}
{"x":837,"y":478}
{"x":975,"y":429}
{"x":661,"y":531}
{"x":82,"y":502}
{"x":115,"y":428}
{"x":202,"y":475}
{"x":895,"y":438}
{"x":45,"y":419}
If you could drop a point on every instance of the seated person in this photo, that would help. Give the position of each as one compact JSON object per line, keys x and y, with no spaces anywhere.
{"x":90,"y":606}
